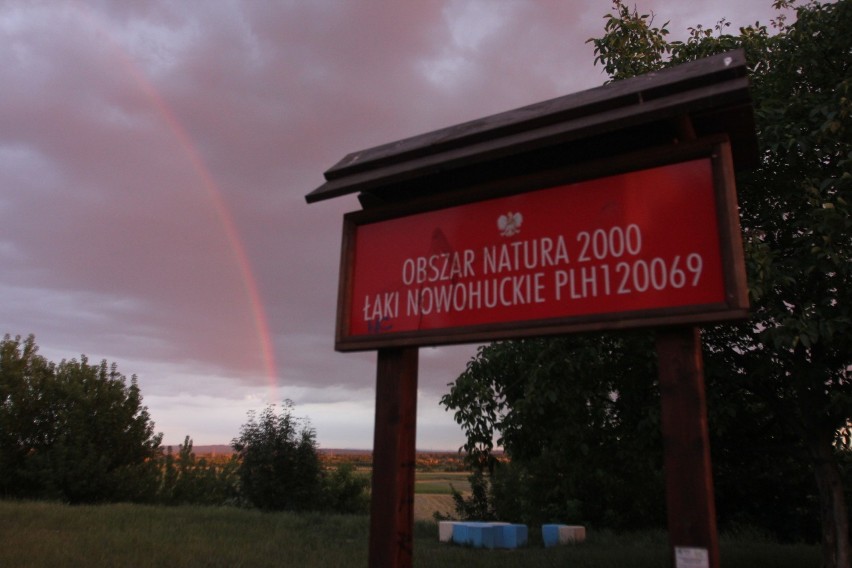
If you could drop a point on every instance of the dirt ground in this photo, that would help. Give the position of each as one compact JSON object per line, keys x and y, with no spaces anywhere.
{"x":426,"y":505}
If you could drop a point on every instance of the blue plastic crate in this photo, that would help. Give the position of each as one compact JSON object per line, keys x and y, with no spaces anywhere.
{"x":490,"y":535}
{"x":512,"y":536}
{"x":550,"y":535}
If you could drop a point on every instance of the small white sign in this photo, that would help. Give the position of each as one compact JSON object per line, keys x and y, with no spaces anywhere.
{"x":691,"y":557}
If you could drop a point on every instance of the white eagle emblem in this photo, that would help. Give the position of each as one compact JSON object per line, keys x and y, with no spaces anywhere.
{"x":510,"y":224}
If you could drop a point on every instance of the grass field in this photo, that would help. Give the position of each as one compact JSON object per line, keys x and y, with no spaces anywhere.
{"x":47,"y":535}
{"x":441,"y":483}
{"x":426,"y":504}
{"x":433,"y":493}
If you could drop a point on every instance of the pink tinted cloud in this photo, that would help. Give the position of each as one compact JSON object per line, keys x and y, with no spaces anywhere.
{"x":110,"y":236}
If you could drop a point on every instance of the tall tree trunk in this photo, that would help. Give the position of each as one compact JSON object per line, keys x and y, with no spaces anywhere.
{"x":833,"y":511}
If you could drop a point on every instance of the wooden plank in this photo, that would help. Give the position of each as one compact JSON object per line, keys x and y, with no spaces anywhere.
{"x":644,"y":157}
{"x":652,"y":115}
{"x":729,"y":229}
{"x":532,"y":329}
{"x":627,"y":93}
{"x":344,"y":289}
{"x":690,"y":504}
{"x":394,"y":439}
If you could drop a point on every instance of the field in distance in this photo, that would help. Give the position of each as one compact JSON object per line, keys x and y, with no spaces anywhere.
{"x":435,"y":477}
{"x":436,"y":474}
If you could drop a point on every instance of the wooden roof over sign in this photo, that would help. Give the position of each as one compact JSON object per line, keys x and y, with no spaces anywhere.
{"x":705,"y":97}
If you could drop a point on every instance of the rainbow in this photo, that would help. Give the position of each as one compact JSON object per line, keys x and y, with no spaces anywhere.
{"x":211,"y":189}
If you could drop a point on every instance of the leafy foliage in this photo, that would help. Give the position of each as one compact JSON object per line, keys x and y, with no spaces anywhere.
{"x":73,"y":431}
{"x":79,"y":433}
{"x":190,"y":480}
{"x":479,"y":505}
{"x":280,"y":469}
{"x":791,"y":363}
{"x":279,"y":465}
{"x":630,"y":46}
{"x":344,"y":491}
{"x":579,"y":417}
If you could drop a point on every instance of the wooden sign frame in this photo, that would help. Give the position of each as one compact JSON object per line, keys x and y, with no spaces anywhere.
{"x":732,"y":304}
{"x":695,"y":110}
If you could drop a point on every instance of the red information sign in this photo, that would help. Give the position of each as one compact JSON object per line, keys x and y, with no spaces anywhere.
{"x":605,"y":252}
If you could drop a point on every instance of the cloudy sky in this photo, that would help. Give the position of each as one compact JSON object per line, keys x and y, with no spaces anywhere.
{"x":155,"y":155}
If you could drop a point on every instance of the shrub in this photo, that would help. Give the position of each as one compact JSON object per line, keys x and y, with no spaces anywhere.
{"x":279,"y":465}
{"x":74,"y":432}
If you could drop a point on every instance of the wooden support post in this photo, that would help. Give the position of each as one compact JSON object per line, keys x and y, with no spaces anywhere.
{"x":394,"y":439}
{"x":689,"y":479}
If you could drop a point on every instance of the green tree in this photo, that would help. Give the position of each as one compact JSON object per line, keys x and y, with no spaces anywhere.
{"x":344,"y":491}
{"x":72,"y":431}
{"x":579,"y":418}
{"x":794,"y":356}
{"x":280,"y":468}
{"x":279,"y":464}
{"x":23,"y":373}
{"x":190,"y":480}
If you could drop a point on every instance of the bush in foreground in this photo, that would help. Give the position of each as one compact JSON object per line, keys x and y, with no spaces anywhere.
{"x":72,"y":431}
{"x":280,"y":468}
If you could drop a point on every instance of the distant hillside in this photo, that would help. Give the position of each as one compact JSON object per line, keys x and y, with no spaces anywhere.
{"x":224,"y":449}
{"x":220,"y":449}
{"x":217,"y":449}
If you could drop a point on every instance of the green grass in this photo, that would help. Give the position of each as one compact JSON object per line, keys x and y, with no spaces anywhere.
{"x":432,"y":488}
{"x":441,"y":483}
{"x":45,"y":535}
{"x":42,"y":535}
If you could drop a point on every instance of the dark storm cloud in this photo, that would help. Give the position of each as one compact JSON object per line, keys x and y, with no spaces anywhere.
{"x":145,"y":147}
